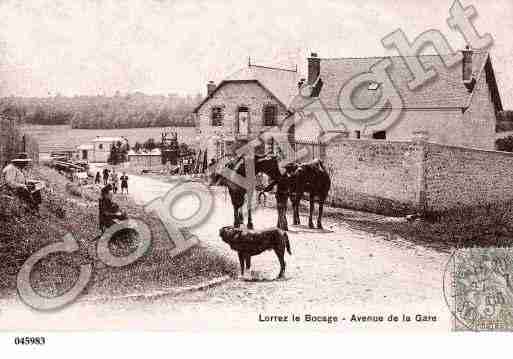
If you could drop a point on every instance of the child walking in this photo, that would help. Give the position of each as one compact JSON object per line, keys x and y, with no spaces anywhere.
{"x":124,"y":183}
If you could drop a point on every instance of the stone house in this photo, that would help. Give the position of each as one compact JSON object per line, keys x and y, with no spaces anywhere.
{"x":458,"y":106}
{"x":242,"y":106}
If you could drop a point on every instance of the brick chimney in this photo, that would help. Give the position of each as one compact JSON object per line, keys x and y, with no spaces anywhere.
{"x":314,"y":68}
{"x":211,"y":86}
{"x":468,"y":80}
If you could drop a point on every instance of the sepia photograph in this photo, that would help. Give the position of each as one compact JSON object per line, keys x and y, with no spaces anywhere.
{"x":219,"y":166}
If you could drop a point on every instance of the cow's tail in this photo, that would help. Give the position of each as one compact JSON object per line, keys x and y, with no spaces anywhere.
{"x":287,"y":243}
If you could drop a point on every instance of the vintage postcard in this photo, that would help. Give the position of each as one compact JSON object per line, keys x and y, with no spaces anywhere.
{"x":338,"y":166}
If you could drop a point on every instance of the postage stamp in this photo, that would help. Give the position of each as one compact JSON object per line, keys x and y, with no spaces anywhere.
{"x":193,"y":165}
{"x":479,"y":289}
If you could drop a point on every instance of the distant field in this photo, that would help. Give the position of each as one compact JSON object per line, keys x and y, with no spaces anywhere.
{"x":64,"y":137}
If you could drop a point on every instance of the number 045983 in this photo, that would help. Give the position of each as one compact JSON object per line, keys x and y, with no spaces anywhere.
{"x":29,"y":341}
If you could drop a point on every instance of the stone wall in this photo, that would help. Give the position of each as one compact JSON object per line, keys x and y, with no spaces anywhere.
{"x":457,"y":177}
{"x":373,"y":175}
{"x":479,"y":120}
{"x":402,"y":177}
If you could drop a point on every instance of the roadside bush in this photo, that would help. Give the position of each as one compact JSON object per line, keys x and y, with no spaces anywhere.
{"x":481,"y":225}
{"x":504,"y":144}
{"x":73,"y":189}
{"x":90,"y":193}
{"x":55,"y":204}
{"x":10,"y":205}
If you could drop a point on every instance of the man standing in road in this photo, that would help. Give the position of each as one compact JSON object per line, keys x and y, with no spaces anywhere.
{"x":115,"y":181}
{"x":105,"y":176}
{"x":97,"y":179}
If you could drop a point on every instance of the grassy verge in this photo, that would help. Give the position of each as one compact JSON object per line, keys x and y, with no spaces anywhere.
{"x":489,"y":225}
{"x":69,"y":209}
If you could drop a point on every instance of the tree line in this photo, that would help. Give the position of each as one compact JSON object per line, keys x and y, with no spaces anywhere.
{"x":119,"y":150}
{"x":103,"y":112}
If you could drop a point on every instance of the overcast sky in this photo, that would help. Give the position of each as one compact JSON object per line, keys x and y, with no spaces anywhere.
{"x":176,"y":46}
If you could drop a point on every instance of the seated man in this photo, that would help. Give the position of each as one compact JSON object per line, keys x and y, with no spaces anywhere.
{"x":16,"y":180}
{"x":109,"y":212}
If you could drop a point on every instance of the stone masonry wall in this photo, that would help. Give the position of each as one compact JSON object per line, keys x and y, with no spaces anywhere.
{"x":398,"y":178}
{"x":457,"y":177}
{"x":479,"y":119}
{"x":373,"y":175}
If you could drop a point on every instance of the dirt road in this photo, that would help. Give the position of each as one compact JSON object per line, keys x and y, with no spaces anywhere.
{"x":336,"y":272}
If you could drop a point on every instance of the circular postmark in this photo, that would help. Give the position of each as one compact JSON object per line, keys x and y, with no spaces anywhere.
{"x":478,"y":289}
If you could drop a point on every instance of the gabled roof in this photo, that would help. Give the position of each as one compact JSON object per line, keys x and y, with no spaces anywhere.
{"x":280,"y":83}
{"x":446,"y":90}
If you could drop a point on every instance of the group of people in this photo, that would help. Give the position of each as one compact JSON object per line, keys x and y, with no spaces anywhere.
{"x":113,"y":179}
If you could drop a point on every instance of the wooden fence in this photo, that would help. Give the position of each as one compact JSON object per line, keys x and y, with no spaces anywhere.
{"x":303,"y":151}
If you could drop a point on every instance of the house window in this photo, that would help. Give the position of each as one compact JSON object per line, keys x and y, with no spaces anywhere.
{"x":270,"y":115}
{"x":100,"y":146}
{"x":220,"y":149}
{"x":217,"y":116}
{"x":243,"y":121}
{"x":357,"y":134}
{"x":380,"y":135}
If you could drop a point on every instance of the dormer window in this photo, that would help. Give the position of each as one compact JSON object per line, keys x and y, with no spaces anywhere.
{"x":373,"y":86}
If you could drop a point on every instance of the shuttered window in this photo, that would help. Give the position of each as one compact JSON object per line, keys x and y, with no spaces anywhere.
{"x":217,"y":116}
{"x":270,"y":113}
